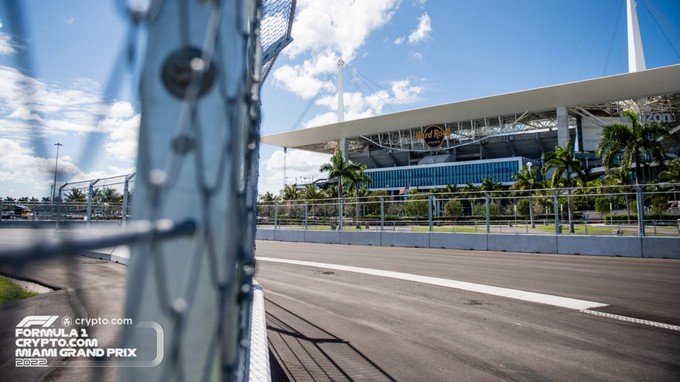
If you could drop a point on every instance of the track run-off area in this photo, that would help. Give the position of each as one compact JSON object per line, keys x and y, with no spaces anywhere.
{"x":337,"y":312}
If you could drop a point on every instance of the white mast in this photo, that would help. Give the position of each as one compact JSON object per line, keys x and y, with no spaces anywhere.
{"x":341,"y":108}
{"x":636,"y":56}
{"x":341,"y":101}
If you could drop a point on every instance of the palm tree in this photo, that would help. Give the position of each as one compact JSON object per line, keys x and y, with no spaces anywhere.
{"x":75,"y":195}
{"x":268,"y":197}
{"x":489,"y":185}
{"x":339,"y":168}
{"x":566,"y":167}
{"x":633,"y":143}
{"x":620,"y":177}
{"x":672,"y":172}
{"x":311,"y":193}
{"x":525,"y":180}
{"x":290,"y":192}
{"x":355,"y":180}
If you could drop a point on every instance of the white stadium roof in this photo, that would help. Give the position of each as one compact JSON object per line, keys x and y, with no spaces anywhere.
{"x":629,"y":86}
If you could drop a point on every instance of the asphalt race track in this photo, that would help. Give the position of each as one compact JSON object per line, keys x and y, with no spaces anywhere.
{"x":383,"y":313}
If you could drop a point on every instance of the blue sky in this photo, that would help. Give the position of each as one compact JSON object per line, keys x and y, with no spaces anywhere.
{"x":421,"y":52}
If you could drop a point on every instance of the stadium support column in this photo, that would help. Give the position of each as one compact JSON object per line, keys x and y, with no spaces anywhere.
{"x":562,"y":126}
{"x":344,"y":146}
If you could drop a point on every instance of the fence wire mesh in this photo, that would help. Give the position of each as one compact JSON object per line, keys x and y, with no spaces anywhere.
{"x":605,"y":210}
{"x":194,"y":191}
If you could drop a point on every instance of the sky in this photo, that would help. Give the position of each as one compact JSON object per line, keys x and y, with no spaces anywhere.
{"x":406,"y":54}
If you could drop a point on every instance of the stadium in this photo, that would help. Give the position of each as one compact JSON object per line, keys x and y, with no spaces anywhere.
{"x":493,"y":137}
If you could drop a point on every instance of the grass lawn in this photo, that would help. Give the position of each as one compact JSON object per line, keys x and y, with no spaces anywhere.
{"x":9,"y":291}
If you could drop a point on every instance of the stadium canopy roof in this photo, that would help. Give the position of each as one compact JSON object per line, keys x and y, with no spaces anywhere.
{"x":628,"y":86}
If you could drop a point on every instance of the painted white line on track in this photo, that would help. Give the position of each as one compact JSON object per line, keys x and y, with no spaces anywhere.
{"x":563,"y":302}
{"x":633,"y":320}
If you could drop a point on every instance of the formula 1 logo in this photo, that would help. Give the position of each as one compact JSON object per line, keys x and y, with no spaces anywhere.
{"x":44,"y":321}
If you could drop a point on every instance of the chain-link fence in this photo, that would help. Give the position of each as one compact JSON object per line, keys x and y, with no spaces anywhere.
{"x":93,"y":200}
{"x":605,"y":210}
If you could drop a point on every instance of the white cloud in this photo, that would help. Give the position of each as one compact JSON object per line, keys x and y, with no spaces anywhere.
{"x":123,"y":139}
{"x":302,"y":79}
{"x":299,"y":164}
{"x":7,"y":47}
{"x":326,"y":30}
{"x":69,"y":20}
{"x":418,"y":35}
{"x":341,"y":25}
{"x":19,"y":167}
{"x":359,"y":105}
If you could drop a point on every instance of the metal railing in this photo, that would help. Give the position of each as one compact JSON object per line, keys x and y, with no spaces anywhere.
{"x":605,"y":210}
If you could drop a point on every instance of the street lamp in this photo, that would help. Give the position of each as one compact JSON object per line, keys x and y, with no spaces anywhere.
{"x":56,"y":163}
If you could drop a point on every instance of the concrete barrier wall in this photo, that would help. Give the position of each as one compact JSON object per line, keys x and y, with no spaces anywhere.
{"x":264,"y":234}
{"x":522,"y":243}
{"x":473,"y":241}
{"x":661,"y":247}
{"x":325,"y":237}
{"x":626,"y":246}
{"x":286,"y":235}
{"x":361,"y":238}
{"x":406,"y":239}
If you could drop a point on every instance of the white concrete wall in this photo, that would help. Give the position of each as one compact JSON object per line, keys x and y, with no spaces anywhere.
{"x":625,"y":246}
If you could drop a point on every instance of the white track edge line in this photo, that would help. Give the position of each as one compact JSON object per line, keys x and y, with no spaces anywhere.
{"x":546,"y":299}
{"x":632,"y":320}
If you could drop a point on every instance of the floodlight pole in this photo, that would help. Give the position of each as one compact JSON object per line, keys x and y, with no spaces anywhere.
{"x":56,"y":164}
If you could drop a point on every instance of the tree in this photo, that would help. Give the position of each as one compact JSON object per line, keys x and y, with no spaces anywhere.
{"x":672,"y":172}
{"x":268,"y":197}
{"x":357,"y":179}
{"x":109,"y":195}
{"x":566,"y":167}
{"x":489,"y":185}
{"x":312,"y":193}
{"x":340,"y":169}
{"x":453,"y":208}
{"x":525,"y":180}
{"x":417,"y":205}
{"x":76,"y":196}
{"x":620,"y":177}
{"x":290,"y":192}
{"x":633,"y":143}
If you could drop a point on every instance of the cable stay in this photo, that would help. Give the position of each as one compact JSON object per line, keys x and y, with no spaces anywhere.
{"x":364,"y":86}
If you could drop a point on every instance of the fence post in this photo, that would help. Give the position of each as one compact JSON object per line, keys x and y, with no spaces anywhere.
{"x":488,"y":212}
{"x":90,"y":195}
{"x":341,"y":214}
{"x":306,"y":214}
{"x":556,"y":207}
{"x":382,"y":214}
{"x":641,"y":209}
{"x":430,"y":204}
{"x":126,"y":196}
{"x":276,"y":215}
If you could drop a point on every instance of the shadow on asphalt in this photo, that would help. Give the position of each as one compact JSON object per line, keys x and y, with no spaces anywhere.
{"x":302,"y":351}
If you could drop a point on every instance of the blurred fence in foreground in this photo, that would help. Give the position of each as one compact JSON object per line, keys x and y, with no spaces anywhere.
{"x":594,"y":211}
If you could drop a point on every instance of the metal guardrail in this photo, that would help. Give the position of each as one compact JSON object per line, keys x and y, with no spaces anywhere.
{"x":594,"y":211}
